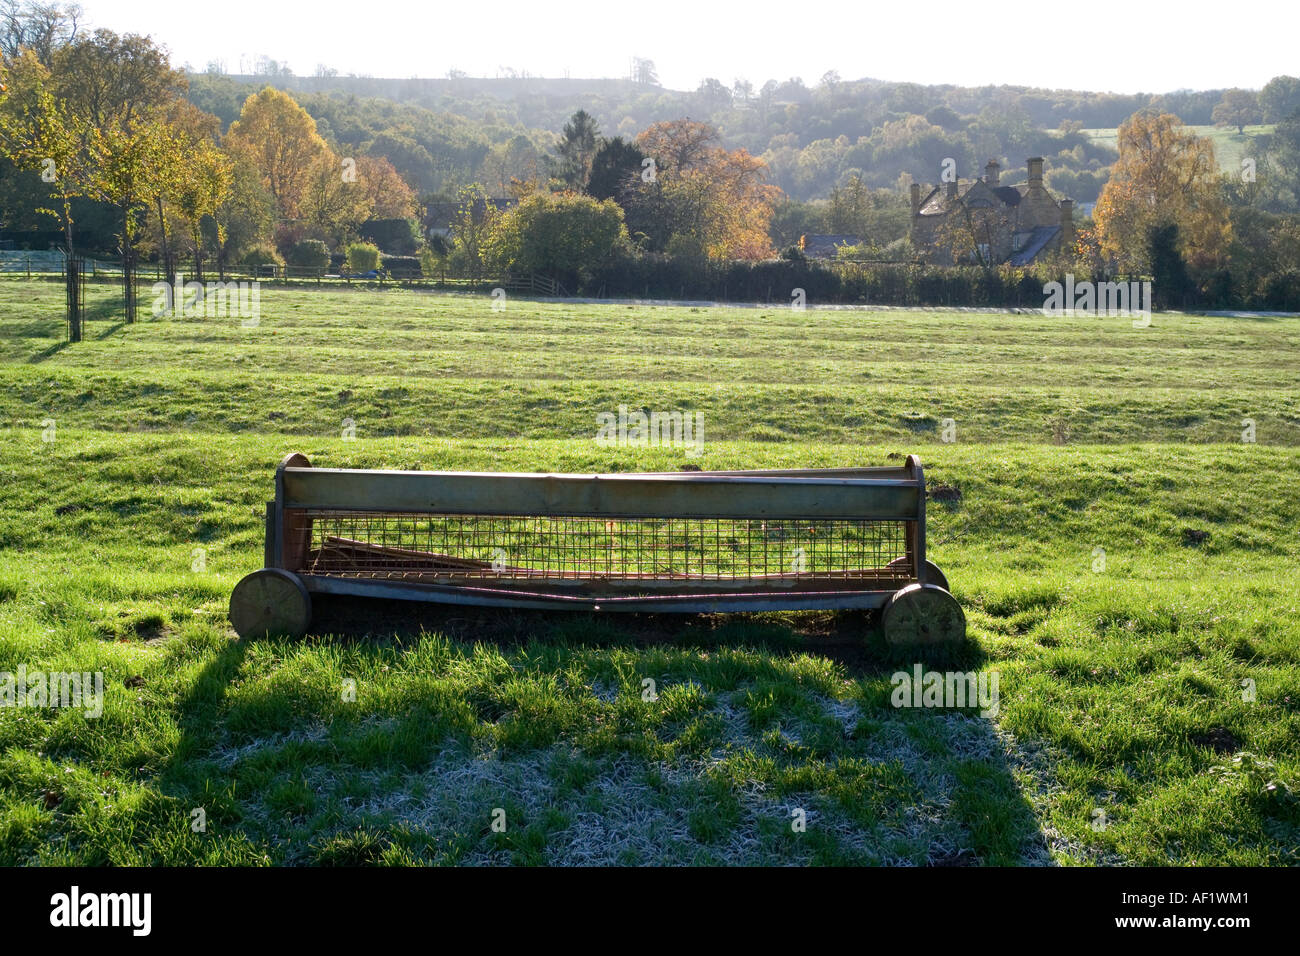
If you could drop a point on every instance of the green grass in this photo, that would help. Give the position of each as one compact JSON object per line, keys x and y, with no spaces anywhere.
{"x":400,"y":363}
{"x":1230,"y":147}
{"x":1121,"y":688}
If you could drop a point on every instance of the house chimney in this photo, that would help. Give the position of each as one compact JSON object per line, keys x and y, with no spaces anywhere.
{"x":916,"y":199}
{"x":991,"y":172}
{"x":1067,"y":222}
{"x":1035,"y":172}
{"x":952,"y":190}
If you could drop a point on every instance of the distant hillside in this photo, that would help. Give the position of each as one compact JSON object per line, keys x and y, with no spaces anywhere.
{"x":1230,"y":147}
{"x":446,"y":132}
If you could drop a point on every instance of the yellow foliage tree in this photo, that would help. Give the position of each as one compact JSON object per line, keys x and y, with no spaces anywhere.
{"x":335,"y":201}
{"x":279,"y":138}
{"x":195,"y":182}
{"x":1165,"y":175}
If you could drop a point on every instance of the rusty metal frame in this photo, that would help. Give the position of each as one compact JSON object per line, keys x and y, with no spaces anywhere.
{"x":884,"y":494}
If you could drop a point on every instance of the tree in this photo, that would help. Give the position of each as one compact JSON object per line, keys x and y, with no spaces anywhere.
{"x":386,"y":193}
{"x":1279,"y":98}
{"x":1281,"y":167}
{"x":42,"y":28}
{"x":878,"y":217}
{"x":118,"y":92}
{"x":189,"y":180}
{"x":278,"y":137}
{"x":848,"y":207}
{"x":702,"y":197}
{"x":471,"y":227}
{"x":39,"y":133}
{"x":713,"y":94}
{"x":334,"y":205}
{"x":678,"y":144}
{"x":246,"y":214}
{"x":515,"y":160}
{"x":1165,"y":175}
{"x":204,"y":187}
{"x":643,"y":72}
{"x":944,"y":117}
{"x":407,"y":154}
{"x":310,"y":255}
{"x":967,"y":235}
{"x":116,"y":81}
{"x":563,"y":235}
{"x":106,"y":121}
{"x":616,"y":165}
{"x":1237,"y":108}
{"x":1169,"y":280}
{"x":133,"y":168}
{"x":792,"y":219}
{"x":577,"y":148}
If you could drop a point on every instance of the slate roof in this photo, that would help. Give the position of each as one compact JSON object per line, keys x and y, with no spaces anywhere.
{"x":1037,"y":240}
{"x":935,"y":202}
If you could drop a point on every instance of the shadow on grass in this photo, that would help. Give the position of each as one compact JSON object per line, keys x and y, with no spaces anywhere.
{"x":49,"y":352}
{"x":981,"y":794}
{"x":96,"y":313}
{"x":850,"y":638}
{"x":36,"y":329}
{"x":201,"y":710}
{"x":985,"y":797}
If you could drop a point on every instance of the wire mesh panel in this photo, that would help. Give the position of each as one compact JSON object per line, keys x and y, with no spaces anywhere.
{"x":650,"y":549}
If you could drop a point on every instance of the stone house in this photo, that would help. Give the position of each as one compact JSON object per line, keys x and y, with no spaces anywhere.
{"x":1011,"y":224}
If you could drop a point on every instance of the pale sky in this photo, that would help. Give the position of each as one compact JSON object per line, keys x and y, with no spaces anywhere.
{"x":1123,"y":46}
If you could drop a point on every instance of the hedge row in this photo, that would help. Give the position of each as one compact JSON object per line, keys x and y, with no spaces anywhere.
{"x":909,"y":284}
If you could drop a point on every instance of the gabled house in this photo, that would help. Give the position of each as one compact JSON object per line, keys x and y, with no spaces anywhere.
{"x":1009,"y":224}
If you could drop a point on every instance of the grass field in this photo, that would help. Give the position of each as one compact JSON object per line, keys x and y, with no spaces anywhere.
{"x":1127,"y":565}
{"x":1230,"y":147}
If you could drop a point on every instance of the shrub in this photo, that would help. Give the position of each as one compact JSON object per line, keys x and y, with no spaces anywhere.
{"x":310,"y":254}
{"x":261,"y":254}
{"x":262,"y":259}
{"x":562,"y":234}
{"x":362,"y":257}
{"x":433,"y":259}
{"x":402,"y":267}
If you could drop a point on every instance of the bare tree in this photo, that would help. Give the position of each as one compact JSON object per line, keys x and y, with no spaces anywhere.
{"x":40,"y":27}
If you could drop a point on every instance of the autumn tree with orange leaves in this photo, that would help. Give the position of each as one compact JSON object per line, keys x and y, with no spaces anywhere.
{"x":1166,"y":175}
{"x":699,"y":198}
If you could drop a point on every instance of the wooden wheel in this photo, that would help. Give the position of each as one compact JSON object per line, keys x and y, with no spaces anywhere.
{"x":270,"y":601}
{"x":923,"y":614}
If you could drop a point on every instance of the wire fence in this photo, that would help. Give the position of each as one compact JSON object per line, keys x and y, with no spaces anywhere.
{"x":357,"y":543}
{"x":52,"y":267}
